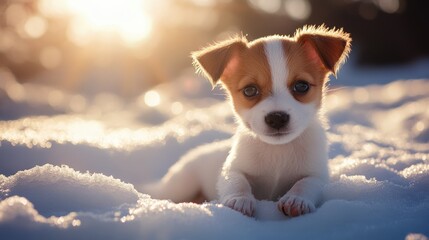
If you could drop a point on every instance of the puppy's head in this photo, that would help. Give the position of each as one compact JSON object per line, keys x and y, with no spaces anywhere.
{"x":276,"y":83}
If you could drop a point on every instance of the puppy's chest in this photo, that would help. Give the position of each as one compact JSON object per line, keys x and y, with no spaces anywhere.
{"x":272,"y":173}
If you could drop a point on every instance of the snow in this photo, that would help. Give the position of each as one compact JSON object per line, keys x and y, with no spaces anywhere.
{"x":72,"y":165}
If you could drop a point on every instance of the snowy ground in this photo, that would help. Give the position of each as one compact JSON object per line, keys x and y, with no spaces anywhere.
{"x":72,"y":165}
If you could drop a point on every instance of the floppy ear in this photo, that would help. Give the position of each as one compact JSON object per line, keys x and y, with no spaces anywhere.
{"x":219,"y":60}
{"x":331,"y":46}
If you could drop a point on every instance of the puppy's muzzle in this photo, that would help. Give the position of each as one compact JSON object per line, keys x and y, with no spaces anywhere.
{"x":277,"y":120}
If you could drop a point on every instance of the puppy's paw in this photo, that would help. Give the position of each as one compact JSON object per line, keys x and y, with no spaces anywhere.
{"x":294,"y":206}
{"x":245,"y":205}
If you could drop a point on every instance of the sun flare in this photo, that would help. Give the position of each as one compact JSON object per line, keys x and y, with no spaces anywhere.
{"x":126,"y":18}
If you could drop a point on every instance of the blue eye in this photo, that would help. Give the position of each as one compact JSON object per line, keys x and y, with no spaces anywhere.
{"x":301,"y":87}
{"x":250,"y":91}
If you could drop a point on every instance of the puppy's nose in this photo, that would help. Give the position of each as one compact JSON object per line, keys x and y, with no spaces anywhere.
{"x":277,"y":120}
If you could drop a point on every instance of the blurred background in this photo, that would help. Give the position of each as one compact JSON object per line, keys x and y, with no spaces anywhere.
{"x":129,"y":46}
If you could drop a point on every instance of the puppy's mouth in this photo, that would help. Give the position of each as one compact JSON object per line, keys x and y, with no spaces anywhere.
{"x":278,"y":134}
{"x":270,"y":133}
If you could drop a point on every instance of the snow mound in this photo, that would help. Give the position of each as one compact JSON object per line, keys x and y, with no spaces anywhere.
{"x":55,"y":189}
{"x":19,"y":209}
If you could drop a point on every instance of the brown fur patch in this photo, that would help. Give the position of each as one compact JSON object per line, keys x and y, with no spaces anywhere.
{"x":331,"y":45}
{"x":252,"y":70}
{"x":302,"y":66}
{"x":214,"y":59}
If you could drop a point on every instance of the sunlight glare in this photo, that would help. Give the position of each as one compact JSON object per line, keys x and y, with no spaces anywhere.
{"x":137,"y":29}
{"x":126,"y":18}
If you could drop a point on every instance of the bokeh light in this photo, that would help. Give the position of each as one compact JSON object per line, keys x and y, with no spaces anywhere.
{"x":298,"y":9}
{"x":152,"y":98}
{"x":271,"y":6}
{"x":35,"y":26}
{"x":389,"y":6}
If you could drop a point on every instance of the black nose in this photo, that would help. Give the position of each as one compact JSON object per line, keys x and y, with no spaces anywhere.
{"x":277,"y":120}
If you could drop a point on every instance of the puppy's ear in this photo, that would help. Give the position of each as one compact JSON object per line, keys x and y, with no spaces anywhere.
{"x":219,"y":60}
{"x":330,"y":46}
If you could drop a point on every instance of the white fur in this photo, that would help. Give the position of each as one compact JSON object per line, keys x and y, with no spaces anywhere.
{"x":195,"y":173}
{"x":291,"y":168}
{"x":277,"y":61}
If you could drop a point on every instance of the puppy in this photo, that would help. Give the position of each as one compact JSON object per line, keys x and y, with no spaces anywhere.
{"x":276,"y":86}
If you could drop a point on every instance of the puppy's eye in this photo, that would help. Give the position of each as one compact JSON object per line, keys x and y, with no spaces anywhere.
{"x":301,"y":87}
{"x":250,"y":91}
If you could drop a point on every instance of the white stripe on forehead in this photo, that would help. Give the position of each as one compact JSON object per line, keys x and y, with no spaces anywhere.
{"x":277,"y":60}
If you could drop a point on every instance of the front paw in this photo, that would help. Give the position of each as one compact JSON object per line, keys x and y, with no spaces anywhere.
{"x":294,"y":206}
{"x":243,"y":204}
